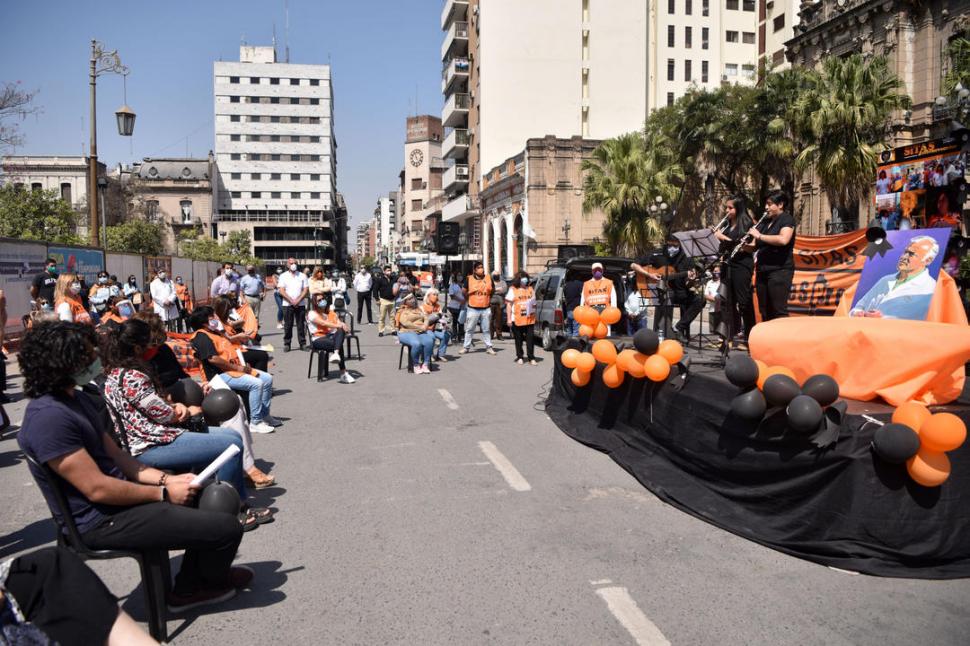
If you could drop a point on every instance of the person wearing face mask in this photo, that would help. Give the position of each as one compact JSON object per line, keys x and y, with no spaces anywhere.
{"x":440,"y":321}
{"x":327,"y":333}
{"x":131,"y":291}
{"x":384,"y":290}
{"x":67,"y":300}
{"x":111,"y":319}
{"x":456,"y":302}
{"x":679,"y":271}
{"x":293,"y":287}
{"x":415,"y":333}
{"x":319,"y":284}
{"x":232,"y":326}
{"x":363,"y":283}
{"x":477,"y":290}
{"x":164,"y":299}
{"x":520,"y":305}
{"x":497,"y":303}
{"x":279,"y":299}
{"x":227,"y":281}
{"x":44,"y":283}
{"x":598,"y":291}
{"x":252,"y":288}
{"x":99,"y":294}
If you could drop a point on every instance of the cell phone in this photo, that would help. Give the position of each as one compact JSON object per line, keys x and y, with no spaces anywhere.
{"x":126,"y":309}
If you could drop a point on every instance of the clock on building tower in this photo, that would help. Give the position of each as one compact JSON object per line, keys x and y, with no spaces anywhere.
{"x":416,"y":158}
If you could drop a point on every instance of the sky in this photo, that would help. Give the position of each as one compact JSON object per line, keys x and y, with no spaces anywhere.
{"x":383,"y":54}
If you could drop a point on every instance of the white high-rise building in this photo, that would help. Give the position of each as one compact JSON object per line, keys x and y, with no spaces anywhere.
{"x":386,"y":215}
{"x":276,"y":158}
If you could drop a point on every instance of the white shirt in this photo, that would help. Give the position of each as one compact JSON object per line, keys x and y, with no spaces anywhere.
{"x":362,"y":282}
{"x":163,"y":299}
{"x":636,"y":304}
{"x":710,"y":289}
{"x":911,"y":300}
{"x":292,"y":283}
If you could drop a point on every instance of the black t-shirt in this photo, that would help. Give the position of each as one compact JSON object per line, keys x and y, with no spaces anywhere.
{"x":45,"y":283}
{"x":572,"y":292}
{"x":681,"y":264}
{"x":738,"y":231}
{"x":167,"y":366}
{"x":58,"y":425}
{"x":383,"y":287}
{"x":771,"y":257}
{"x":205,"y":349}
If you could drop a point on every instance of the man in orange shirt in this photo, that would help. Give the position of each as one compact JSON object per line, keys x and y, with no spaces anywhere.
{"x":477,"y":289}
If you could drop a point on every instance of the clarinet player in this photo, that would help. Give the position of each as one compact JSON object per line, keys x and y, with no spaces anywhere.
{"x":775,"y":243}
{"x":737,"y":269}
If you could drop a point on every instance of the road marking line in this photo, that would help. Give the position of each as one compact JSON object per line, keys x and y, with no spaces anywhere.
{"x":445,"y":395}
{"x":500,"y":462}
{"x":626,"y":611}
{"x":393,"y":446}
{"x":600,"y":582}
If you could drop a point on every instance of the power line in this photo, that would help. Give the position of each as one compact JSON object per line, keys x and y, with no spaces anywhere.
{"x":184,"y":138}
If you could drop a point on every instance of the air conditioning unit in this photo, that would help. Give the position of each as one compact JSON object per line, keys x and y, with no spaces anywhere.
{"x":724,"y":78}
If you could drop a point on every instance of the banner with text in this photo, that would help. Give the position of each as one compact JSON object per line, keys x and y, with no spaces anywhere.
{"x":825,"y":266}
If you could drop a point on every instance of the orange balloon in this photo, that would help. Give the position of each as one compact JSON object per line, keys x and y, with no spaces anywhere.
{"x":671,"y":350}
{"x":586,"y":315}
{"x":912,"y":414}
{"x":568,"y":357}
{"x":585,"y":330}
{"x":611,"y":315}
{"x":929,"y":468}
{"x":580,"y":377}
{"x":942,"y":432}
{"x":612,"y":376}
{"x":634,"y":365}
{"x":623,"y":359}
{"x":762,"y":372}
{"x":585,"y":362}
{"x":656,"y":368}
{"x":604,"y":351}
{"x":774,"y":370}
{"x":601,"y":331}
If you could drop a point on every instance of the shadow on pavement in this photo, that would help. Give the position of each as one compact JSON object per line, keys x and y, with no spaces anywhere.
{"x":37,"y":533}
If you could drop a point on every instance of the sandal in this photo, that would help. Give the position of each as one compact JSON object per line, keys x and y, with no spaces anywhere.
{"x":258,"y":479}
{"x":253,"y":517}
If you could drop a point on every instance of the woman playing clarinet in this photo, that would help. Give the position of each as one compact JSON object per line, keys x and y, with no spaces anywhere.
{"x":775,"y":244}
{"x":737,"y":269}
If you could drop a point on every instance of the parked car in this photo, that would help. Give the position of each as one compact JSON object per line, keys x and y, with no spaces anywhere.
{"x":550,"y":317}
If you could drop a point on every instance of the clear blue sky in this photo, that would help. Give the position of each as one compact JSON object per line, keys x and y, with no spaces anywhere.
{"x":383,"y":53}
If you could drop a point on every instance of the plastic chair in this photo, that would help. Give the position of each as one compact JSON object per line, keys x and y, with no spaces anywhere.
{"x":155,"y":570}
{"x":351,"y":336}
{"x":321,"y":355}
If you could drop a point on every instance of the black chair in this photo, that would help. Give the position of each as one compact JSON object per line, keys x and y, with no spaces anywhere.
{"x":155,"y":570}
{"x":405,"y":350}
{"x":351,"y":336}
{"x":322,"y":356}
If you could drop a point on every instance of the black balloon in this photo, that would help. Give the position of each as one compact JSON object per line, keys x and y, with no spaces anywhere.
{"x":186,"y":391}
{"x":220,"y":496}
{"x":742,"y":371}
{"x":822,"y":389}
{"x":895,"y":443}
{"x":219,"y":406}
{"x":749,"y":405}
{"x":646,"y":341}
{"x":804,"y":414}
{"x":780,"y":390}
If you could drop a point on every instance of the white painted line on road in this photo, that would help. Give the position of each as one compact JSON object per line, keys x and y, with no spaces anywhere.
{"x":600,"y":582}
{"x":500,"y":462}
{"x":394,"y":446}
{"x":445,"y":395}
{"x":626,"y":611}
{"x":474,"y":464}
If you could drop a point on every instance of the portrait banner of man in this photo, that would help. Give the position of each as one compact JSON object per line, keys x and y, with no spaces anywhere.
{"x":900,"y":285}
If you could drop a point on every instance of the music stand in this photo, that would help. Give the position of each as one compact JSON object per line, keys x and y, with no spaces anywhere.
{"x":701,"y":245}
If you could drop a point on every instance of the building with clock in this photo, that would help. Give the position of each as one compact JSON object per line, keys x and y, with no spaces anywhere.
{"x":419,"y":209}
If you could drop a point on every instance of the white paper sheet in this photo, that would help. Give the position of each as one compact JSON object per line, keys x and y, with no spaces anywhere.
{"x":224,"y":457}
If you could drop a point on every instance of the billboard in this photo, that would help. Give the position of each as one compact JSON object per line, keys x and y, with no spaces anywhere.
{"x":20,"y":261}
{"x":921,"y":185}
{"x":78,"y":260}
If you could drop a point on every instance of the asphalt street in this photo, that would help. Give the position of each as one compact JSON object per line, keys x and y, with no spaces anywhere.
{"x":448,"y":509}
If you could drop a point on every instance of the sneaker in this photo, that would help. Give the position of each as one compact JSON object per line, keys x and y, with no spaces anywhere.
{"x":279,"y":326}
{"x":181,"y":602}
{"x":380,"y":334}
{"x":272,"y":421}
{"x":260,"y":427}
{"x":463,"y":351}
{"x":520,"y":361}
{"x":346,"y":378}
{"x":489,"y":350}
{"x":533,"y":362}
{"x":286,"y":348}
{"x":334,"y":358}
{"x":443,"y":359}
{"x":240,"y":576}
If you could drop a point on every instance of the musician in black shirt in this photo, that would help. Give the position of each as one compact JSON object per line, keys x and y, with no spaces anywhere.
{"x":679,"y":276}
{"x":737,"y":269}
{"x":775,"y":243}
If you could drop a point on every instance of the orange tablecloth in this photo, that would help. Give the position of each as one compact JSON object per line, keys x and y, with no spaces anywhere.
{"x":893,"y":359}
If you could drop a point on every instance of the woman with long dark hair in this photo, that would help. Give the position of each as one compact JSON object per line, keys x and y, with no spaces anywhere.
{"x":736,"y":272}
{"x":775,"y":243}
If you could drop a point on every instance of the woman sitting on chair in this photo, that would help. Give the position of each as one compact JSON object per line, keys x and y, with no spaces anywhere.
{"x":414,"y":332}
{"x":439,"y":320}
{"x":233,"y":325}
{"x":327,"y":334}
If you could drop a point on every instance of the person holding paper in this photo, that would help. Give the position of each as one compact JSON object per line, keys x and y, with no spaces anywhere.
{"x":441,"y":322}
{"x":520,"y":306}
{"x":116,"y":501}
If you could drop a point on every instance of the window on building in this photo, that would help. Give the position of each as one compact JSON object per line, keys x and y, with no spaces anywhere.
{"x":313,"y":120}
{"x":688,"y":6}
{"x":295,"y":177}
{"x":235,"y":156}
{"x":236,"y":194}
{"x":256,"y":194}
{"x":294,"y":81}
{"x":731,"y":36}
{"x":314,"y":177}
{"x":747,"y":5}
{"x":416,"y":183}
{"x":705,"y":8}
{"x":703,"y":71}
{"x":670,"y":35}
{"x":255,"y":157}
{"x":233,"y":79}
{"x":314,"y":140}
{"x":732,"y":5}
{"x":314,"y":196}
{"x":779,"y":22}
{"x":274,"y":157}
{"x":705,"y":37}
{"x":415,"y":205}
{"x":314,"y":157}
{"x":275,"y":195}
{"x":274,"y":81}
{"x":66,"y":192}
{"x":670,"y":98}
{"x":294,"y":195}
{"x":687,"y":71}
{"x":688,"y":37}
{"x":670,"y":69}
{"x":234,"y":118}
{"x":234,"y":99}
{"x":731,"y":69}
{"x":185,"y":208}
{"x":671,"y":6}
{"x":274,"y":100}
{"x":314,"y":101}
{"x":314,"y":82}
{"x":747,"y":71}
{"x":274,"y":138}
{"x":235,"y":175}
{"x":234,"y":137}
{"x":747,"y":37}
{"x":275,"y":176}
{"x":151,"y":210}
{"x":255,"y":176}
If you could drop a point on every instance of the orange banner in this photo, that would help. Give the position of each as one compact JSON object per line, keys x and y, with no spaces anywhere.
{"x":825,"y":267}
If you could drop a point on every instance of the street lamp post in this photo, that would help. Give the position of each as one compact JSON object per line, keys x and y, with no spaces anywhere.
{"x":463,"y":245}
{"x":103,"y":62}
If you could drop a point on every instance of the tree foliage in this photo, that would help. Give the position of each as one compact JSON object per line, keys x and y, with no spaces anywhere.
{"x":15,"y":103}
{"x":958,"y":52}
{"x":235,"y":249}
{"x":135,"y":236}
{"x":36,"y":215}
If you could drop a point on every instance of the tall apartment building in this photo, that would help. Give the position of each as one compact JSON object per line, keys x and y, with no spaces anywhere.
{"x":386,"y":215}
{"x":422,"y":182}
{"x":776,"y":26}
{"x":276,"y":158}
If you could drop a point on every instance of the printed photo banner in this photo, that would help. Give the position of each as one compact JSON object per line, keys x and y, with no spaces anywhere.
{"x":825,"y":266}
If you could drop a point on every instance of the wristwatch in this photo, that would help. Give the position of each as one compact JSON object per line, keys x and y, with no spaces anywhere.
{"x":164,"y":494}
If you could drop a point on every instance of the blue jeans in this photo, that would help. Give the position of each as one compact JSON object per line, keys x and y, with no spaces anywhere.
{"x":444,"y":336}
{"x":634,"y":326}
{"x":421,"y":346}
{"x":194,"y":451}
{"x":260,"y":390}
{"x":472,"y":318}
{"x":279,"y":306}
{"x":572,"y":325}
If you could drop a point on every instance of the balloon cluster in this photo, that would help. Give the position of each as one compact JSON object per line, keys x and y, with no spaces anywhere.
{"x":593,"y":324}
{"x":920,"y":439}
{"x":651,"y":359}
{"x":775,"y":386}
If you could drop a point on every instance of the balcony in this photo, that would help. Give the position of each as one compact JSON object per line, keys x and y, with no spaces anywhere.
{"x":456,"y":109}
{"x":454,"y":75}
{"x":459,"y":209}
{"x":455,"y":177}
{"x":456,"y":41}
{"x":453,"y":10}
{"x":456,"y":144}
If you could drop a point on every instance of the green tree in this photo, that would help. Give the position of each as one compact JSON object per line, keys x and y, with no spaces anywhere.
{"x":135,"y":236}
{"x":201,"y":248}
{"x":36,"y":215}
{"x":842,"y":114}
{"x":236,"y":248}
{"x":958,"y":52}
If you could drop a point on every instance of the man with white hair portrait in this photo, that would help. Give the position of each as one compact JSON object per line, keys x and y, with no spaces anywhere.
{"x":905,"y":294}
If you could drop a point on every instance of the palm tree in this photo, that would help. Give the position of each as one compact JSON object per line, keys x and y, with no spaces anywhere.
{"x":842,"y":114}
{"x":622,"y":178}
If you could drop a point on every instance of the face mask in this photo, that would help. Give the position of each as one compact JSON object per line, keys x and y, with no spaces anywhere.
{"x":75,"y":288}
{"x":524,"y":281}
{"x":131,"y":281}
{"x":292,"y":266}
{"x":86,"y":375}
{"x":52,"y":270}
{"x":215,"y":324}
{"x":178,"y":280}
{"x":597,"y":274}
{"x":47,"y":307}
{"x":162,"y":275}
{"x":150,"y":353}
{"x":252,"y":272}
{"x":103,"y":280}
{"x":673,"y":250}
{"x":322,"y":304}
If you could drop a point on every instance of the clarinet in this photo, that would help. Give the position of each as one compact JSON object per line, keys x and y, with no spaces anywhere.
{"x":717,"y":229}
{"x":747,"y":239}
